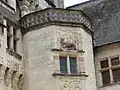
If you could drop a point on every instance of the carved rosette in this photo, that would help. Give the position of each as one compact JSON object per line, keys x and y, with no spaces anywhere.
{"x":71,"y":85}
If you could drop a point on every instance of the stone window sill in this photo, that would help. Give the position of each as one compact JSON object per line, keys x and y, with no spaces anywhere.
{"x":71,"y":75}
{"x":16,"y":55}
{"x":111,"y":84}
{"x":61,"y":50}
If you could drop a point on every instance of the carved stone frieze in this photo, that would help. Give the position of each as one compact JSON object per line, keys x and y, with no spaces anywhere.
{"x":71,"y":85}
{"x":50,"y":15}
{"x":67,"y":45}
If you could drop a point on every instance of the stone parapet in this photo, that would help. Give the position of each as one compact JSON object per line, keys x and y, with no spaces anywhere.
{"x":59,"y":16}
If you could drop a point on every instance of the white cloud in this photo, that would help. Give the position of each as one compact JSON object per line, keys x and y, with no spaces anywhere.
{"x":72,"y":2}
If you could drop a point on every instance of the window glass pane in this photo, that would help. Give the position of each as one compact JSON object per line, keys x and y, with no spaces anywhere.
{"x":73,"y":65}
{"x":115,"y":61}
{"x":63,"y":64}
{"x":8,"y":42}
{"x":106,"y":77}
{"x":8,"y":28}
{"x":15,"y":45}
{"x":116,"y":75}
{"x":14,"y":32}
{"x":104,"y":64}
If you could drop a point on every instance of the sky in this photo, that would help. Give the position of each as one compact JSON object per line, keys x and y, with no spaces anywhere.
{"x":72,"y":2}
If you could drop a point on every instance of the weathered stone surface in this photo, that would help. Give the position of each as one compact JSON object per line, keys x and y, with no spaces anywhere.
{"x":101,"y":53}
{"x":41,"y":61}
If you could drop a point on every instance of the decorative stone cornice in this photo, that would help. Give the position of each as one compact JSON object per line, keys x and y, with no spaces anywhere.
{"x":57,"y":16}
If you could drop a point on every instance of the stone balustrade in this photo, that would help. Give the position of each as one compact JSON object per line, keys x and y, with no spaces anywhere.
{"x":54,"y":16}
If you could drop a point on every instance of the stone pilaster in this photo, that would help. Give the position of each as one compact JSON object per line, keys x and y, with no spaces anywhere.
{"x":82,"y":65}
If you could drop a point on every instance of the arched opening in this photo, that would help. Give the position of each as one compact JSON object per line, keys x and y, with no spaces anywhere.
{"x":20,"y":82}
{"x":6,"y":82}
{"x":13,"y":83}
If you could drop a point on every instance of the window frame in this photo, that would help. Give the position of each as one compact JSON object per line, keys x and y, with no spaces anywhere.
{"x":68,"y":64}
{"x":110,"y":68}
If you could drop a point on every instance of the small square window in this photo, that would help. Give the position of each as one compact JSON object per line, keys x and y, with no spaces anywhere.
{"x":104,"y":64}
{"x":115,"y":61}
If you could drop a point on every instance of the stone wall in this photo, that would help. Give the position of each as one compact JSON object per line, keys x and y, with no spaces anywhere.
{"x":101,"y":53}
{"x":11,"y":63}
{"x":42,"y":60}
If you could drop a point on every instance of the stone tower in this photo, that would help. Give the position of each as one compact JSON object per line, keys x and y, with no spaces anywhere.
{"x":58,"y":50}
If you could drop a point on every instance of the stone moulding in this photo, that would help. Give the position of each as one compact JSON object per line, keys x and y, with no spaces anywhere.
{"x":58,"y":16}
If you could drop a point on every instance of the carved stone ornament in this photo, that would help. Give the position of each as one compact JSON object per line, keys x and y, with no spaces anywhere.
{"x":55,"y":16}
{"x":67,"y":45}
{"x":56,"y":57}
{"x":72,"y":85}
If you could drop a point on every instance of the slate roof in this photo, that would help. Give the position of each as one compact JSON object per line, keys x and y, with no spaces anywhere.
{"x":105,"y":15}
